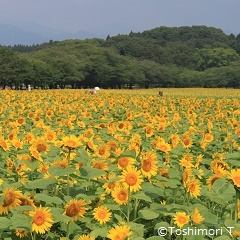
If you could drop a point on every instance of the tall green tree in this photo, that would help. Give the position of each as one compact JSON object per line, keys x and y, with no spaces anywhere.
{"x":215,"y":57}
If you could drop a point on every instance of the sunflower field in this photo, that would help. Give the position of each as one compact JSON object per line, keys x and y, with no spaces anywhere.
{"x":120,"y":164}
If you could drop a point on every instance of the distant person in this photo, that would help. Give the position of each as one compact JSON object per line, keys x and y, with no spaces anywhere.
{"x":96,"y":89}
{"x":29,"y":88}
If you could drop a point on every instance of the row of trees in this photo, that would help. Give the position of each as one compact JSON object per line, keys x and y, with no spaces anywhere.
{"x":163,"y":57}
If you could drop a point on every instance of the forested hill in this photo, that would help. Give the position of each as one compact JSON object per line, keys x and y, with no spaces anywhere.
{"x":178,"y":46}
{"x":162,"y":57}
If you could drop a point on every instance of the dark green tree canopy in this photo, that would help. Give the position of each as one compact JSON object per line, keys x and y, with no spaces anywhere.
{"x":161,"y":57}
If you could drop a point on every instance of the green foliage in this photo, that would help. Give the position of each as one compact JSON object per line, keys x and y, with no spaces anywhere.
{"x":215,"y":57}
{"x":161,"y":57}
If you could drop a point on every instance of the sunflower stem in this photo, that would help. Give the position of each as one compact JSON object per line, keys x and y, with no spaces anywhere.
{"x":185,"y":197}
{"x":174,"y":195}
{"x":128,"y":206}
{"x":188,"y":199}
{"x":67,"y":233}
{"x":34,"y":236}
{"x":135,"y":208}
{"x":122,"y":214}
{"x":236,"y":206}
{"x":68,"y":182}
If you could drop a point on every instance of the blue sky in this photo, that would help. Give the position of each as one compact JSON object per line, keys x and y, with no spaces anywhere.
{"x":119,"y":16}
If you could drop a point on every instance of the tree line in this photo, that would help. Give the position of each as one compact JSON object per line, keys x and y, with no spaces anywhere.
{"x":196,"y":56}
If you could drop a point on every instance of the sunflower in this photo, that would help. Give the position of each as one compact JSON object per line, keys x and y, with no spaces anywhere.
{"x":50,"y":136}
{"x":134,"y":147}
{"x":149,"y":130}
{"x":163,"y":146}
{"x":91,"y":145}
{"x":119,"y":233}
{"x":181,"y":218}
{"x":21,"y":121}
{"x":208,"y":137}
{"x":29,"y":137}
{"x":42,"y":219}
{"x":102,"y":214}
{"x":186,"y":161}
{"x":149,"y":164}
{"x":131,"y":177}
{"x":220,"y":171}
{"x":17,"y":143}
{"x":238,"y":208}
{"x":197,"y":217}
{"x":72,"y":155}
{"x":35,"y":154}
{"x":13,"y":124}
{"x":103,"y":151}
{"x":120,"y":195}
{"x":75,"y":208}
{"x":187,"y":175}
{"x":13,"y":135}
{"x":237,"y":131}
{"x":11,"y":199}
{"x":79,"y":165}
{"x":88,"y":133}
{"x":49,"y":113}
{"x":69,"y":124}
{"x":203,"y":144}
{"x":25,"y":201}
{"x":111,"y":129}
{"x":10,"y":164}
{"x":124,"y":162}
{"x":100,"y":164}
{"x":120,"y":137}
{"x":30,"y":114}
{"x":211,"y":180}
{"x":42,"y":167}
{"x":219,"y":163}
{"x":111,"y":183}
{"x":175,"y":139}
{"x":81,"y":124}
{"x":161,"y":126}
{"x":113,"y":145}
{"x":187,"y":142}
{"x":136,"y":138}
{"x":40,"y":145}
{"x":87,"y":115}
{"x":71,"y":142}
{"x":164,"y":172}
{"x":236,"y":233}
{"x":199,"y":160}
{"x":235,"y":176}
{"x":194,"y":188}
{"x":21,"y":233}
{"x":121,"y":126}
{"x":48,"y":175}
{"x":4,"y":144}
{"x":85,"y":237}
{"x":61,"y":163}
{"x":109,"y":187}
{"x":21,"y":169}
{"x":176,"y":117}
{"x":24,"y":157}
{"x":119,"y":151}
